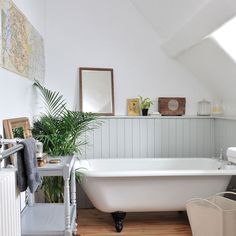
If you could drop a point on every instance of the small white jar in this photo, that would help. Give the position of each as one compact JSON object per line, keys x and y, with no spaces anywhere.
{"x":204,"y":108}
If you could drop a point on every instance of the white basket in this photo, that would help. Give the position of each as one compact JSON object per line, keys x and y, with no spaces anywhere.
{"x":214,"y":216}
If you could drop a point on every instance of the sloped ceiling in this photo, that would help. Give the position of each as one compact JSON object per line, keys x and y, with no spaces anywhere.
{"x":183,"y":26}
{"x":215,"y":68}
{"x":167,"y":16}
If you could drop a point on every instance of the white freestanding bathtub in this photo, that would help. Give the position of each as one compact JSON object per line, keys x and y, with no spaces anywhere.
{"x":152,"y":184}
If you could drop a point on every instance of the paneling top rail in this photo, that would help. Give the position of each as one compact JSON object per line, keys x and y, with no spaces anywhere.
{"x":170,"y":117}
{"x":157,"y":117}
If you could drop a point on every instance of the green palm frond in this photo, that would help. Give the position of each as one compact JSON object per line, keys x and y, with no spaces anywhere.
{"x":54,"y":103}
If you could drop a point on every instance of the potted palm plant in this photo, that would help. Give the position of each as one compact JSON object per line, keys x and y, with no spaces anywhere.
{"x":145,"y":105}
{"x":60,"y":130}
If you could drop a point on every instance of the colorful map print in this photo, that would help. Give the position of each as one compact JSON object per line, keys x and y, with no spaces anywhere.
{"x":22,"y":47}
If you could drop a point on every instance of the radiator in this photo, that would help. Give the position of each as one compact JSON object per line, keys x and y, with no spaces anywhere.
{"x":9,"y":204}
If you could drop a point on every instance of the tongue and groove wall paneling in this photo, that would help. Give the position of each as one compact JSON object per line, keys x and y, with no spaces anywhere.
{"x":146,"y":137}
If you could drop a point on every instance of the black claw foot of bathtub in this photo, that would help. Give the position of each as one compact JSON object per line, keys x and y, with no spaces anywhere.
{"x":119,"y":227}
{"x":118,"y":218}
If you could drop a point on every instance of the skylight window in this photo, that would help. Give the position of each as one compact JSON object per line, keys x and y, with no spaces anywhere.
{"x":226,"y":37}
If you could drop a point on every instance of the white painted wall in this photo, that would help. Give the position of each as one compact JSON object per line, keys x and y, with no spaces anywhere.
{"x":16,"y":93}
{"x":112,"y":34}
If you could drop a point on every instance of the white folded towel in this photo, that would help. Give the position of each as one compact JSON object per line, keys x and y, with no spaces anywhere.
{"x":231,"y":154}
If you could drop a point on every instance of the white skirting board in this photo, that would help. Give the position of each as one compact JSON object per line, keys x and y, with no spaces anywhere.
{"x":9,"y":204}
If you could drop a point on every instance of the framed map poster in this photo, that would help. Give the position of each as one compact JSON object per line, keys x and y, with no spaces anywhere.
{"x":21,"y":45}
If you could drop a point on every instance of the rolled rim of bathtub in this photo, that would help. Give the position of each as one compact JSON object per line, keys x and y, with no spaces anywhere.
{"x":215,"y":168}
{"x":157,"y":173}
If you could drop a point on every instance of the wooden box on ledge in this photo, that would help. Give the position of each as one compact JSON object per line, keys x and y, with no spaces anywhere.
{"x":171,"y":106}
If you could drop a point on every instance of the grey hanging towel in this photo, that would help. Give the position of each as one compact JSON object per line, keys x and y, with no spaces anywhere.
{"x":27,"y":175}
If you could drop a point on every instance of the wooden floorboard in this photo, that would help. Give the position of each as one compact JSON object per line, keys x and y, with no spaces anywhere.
{"x":93,"y":222}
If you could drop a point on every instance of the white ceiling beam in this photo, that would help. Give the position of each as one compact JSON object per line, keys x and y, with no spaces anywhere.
{"x":210,"y":17}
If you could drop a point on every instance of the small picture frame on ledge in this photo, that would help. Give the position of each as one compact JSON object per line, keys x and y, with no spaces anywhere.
{"x":133,"y":107}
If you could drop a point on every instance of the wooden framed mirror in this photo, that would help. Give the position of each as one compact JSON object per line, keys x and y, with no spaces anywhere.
{"x":17,"y":128}
{"x":97,"y":90}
